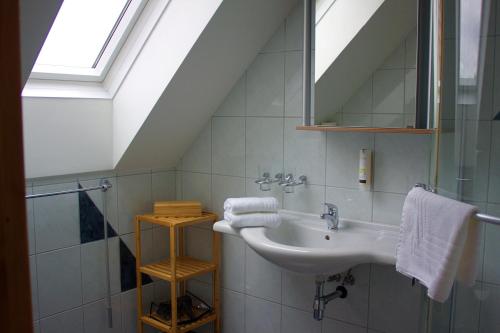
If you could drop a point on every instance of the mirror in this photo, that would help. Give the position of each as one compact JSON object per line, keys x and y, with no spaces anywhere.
{"x":371,"y":64}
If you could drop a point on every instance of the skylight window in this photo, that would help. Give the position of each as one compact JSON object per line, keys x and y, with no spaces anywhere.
{"x":84,"y":39}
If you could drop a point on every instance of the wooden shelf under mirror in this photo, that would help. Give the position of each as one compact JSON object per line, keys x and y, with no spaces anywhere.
{"x":366,"y":129}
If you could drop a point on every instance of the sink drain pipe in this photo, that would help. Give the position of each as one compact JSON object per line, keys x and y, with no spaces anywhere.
{"x":321,"y":300}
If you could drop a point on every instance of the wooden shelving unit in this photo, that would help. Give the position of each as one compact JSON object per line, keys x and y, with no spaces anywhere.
{"x":366,"y":129}
{"x":177,"y":269}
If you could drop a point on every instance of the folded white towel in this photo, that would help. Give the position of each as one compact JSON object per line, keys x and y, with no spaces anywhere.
{"x":270,"y":220}
{"x":438,"y":242}
{"x":251,"y":205}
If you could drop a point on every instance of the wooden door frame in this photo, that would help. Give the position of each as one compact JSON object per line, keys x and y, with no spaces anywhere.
{"x":15,"y":291}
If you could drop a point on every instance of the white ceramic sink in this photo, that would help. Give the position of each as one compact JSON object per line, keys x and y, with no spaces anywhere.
{"x":303,"y":244}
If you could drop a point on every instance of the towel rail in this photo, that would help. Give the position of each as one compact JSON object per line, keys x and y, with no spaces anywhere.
{"x":104,"y":186}
{"x":490,"y":219}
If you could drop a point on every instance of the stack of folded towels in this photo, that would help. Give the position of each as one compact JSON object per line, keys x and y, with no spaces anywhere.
{"x":252,"y":212}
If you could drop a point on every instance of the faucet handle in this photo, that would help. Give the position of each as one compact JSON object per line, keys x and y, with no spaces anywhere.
{"x":332,"y":208}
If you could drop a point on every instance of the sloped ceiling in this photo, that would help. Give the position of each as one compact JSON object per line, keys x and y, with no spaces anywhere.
{"x":225,"y":48}
{"x":36,"y":19}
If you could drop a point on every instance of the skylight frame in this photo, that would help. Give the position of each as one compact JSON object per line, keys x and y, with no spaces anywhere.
{"x":108,"y":54}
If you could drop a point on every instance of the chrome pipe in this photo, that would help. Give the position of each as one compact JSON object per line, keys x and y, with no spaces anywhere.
{"x":107,"y":277}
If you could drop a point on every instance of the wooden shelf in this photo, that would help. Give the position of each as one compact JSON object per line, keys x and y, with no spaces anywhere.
{"x":177,"y":269}
{"x":166,"y":221}
{"x":181,"y":328}
{"x":366,"y":129}
{"x":185,"y":268}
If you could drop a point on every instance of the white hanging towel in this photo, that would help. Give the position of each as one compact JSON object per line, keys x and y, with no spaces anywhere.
{"x":438,"y":242}
{"x":269,"y":220}
{"x":251,"y":205}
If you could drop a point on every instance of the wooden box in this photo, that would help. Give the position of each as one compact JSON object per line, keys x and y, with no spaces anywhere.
{"x":178,"y":208}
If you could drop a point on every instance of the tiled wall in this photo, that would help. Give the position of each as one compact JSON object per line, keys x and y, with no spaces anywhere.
{"x":66,"y":250}
{"x":252,"y":132}
{"x":477,"y":308}
{"x":387,"y":98}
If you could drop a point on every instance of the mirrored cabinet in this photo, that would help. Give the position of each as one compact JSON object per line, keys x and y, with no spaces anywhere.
{"x":371,"y":66}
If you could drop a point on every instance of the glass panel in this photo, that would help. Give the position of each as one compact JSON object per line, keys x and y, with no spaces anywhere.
{"x":468,"y":158}
{"x":79,"y":32}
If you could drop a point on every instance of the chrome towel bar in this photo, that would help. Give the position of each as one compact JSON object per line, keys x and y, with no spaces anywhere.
{"x":490,"y":219}
{"x":103,"y":186}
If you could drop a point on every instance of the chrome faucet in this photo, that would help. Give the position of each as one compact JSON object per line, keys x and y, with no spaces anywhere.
{"x":331,"y":217}
{"x":288,"y":182}
{"x":265,"y":181}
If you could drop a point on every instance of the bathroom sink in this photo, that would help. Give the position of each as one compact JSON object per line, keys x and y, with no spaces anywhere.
{"x":303,"y":244}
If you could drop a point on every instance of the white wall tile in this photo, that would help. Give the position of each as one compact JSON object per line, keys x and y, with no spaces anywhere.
{"x":233,"y":311}
{"x":387,"y":207}
{"x":233,"y":263}
{"x":161,"y":241}
{"x":228,"y":159}
{"x":494,"y":182}
{"x":134,"y":197}
{"x":197,"y":186}
{"x":93,"y":265}
{"x":34,"y":288}
{"x":401,"y":161}
{"x":59,"y":280}
{"x":298,"y":291}
{"x":199,"y":243}
{"x":396,"y":60}
{"x":388,"y":91}
{"x":352,"y":204}
{"x":265,"y":85}
{"x":353,"y":308}
{"x":342,"y":157}
{"x":147,"y":254}
{"x":198,"y":157}
{"x":128,"y":301}
{"x":30,"y":216}
{"x":467,"y":308}
{"x":163,"y":186}
{"x":362,"y":100}
{"x":491,"y":269}
{"x":486,"y":109}
{"x":201,"y":289}
{"x":333,"y":326}
{"x":264,"y":146}
{"x":277,"y":42}
{"x":477,"y":159}
{"x":305,"y":198}
{"x":56,"y":218}
{"x":305,"y":152}
{"x":357,"y":119}
{"x":69,"y":321}
{"x":296,"y":321}
{"x":262,"y":316}
{"x":224,"y":187}
{"x":293,"y":84}
{"x":234,"y":103}
{"x":410,"y":91}
{"x":411,"y":50}
{"x":294,"y":29}
{"x":490,"y":321}
{"x":95,"y":317}
{"x":36,"y":327}
{"x":394,"y":304}
{"x":388,"y":120}
{"x":263,"y":279}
